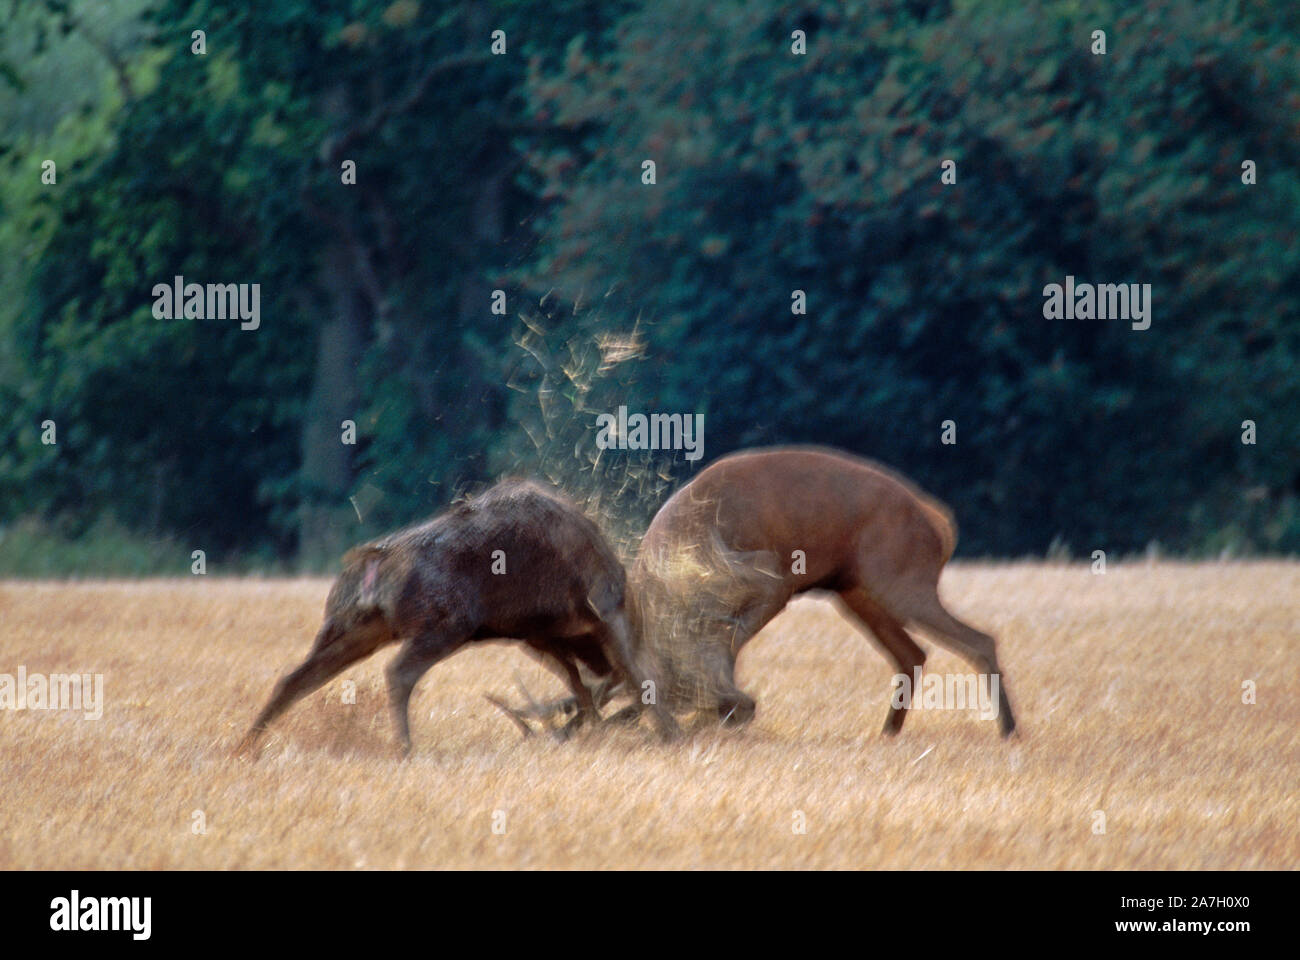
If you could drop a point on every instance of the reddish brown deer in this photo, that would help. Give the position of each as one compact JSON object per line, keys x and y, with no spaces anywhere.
{"x":517,"y":562}
{"x":723,"y":556}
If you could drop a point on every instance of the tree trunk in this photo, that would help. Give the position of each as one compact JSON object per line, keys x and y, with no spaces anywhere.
{"x":327,"y":521}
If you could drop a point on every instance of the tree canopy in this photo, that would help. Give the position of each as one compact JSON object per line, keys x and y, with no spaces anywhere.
{"x":800,"y":270}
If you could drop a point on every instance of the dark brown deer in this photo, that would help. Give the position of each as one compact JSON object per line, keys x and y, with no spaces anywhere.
{"x":721,"y":559}
{"x":517,"y":562}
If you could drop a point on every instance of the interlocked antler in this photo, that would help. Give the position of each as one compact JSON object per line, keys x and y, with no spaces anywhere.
{"x":533,"y":711}
{"x":601,"y":693}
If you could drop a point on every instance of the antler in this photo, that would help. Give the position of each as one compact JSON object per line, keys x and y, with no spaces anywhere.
{"x":515,"y":716}
{"x":545,"y":712}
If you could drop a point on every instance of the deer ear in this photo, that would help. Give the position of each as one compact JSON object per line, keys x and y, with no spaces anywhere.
{"x":372,"y":571}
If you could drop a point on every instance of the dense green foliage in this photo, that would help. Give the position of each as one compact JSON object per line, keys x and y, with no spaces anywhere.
{"x":775,"y":172}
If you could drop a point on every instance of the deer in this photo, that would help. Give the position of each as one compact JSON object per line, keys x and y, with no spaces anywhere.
{"x":517,"y":562}
{"x":728,"y":551}
{"x":756,"y":528}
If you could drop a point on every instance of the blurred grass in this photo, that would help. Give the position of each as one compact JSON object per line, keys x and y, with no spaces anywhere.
{"x":35,"y":548}
{"x":1128,"y":688}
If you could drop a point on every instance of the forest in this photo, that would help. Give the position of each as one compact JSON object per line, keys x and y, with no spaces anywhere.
{"x":474,"y":228}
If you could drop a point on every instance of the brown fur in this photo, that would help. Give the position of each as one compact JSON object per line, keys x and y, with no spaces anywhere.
{"x":431,"y":587}
{"x":716,"y":564}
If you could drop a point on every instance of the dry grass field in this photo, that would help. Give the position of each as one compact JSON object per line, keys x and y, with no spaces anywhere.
{"x":1127,"y":688}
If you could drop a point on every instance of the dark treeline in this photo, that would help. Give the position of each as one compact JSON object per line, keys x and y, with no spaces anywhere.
{"x":379,"y":170}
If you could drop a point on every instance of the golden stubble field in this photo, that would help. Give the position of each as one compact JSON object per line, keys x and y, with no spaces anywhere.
{"x":1127,"y":688}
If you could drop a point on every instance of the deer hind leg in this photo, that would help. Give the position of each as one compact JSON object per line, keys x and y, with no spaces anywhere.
{"x":898,"y":646}
{"x":976,"y":648}
{"x":417,"y":655}
{"x":336,"y":647}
